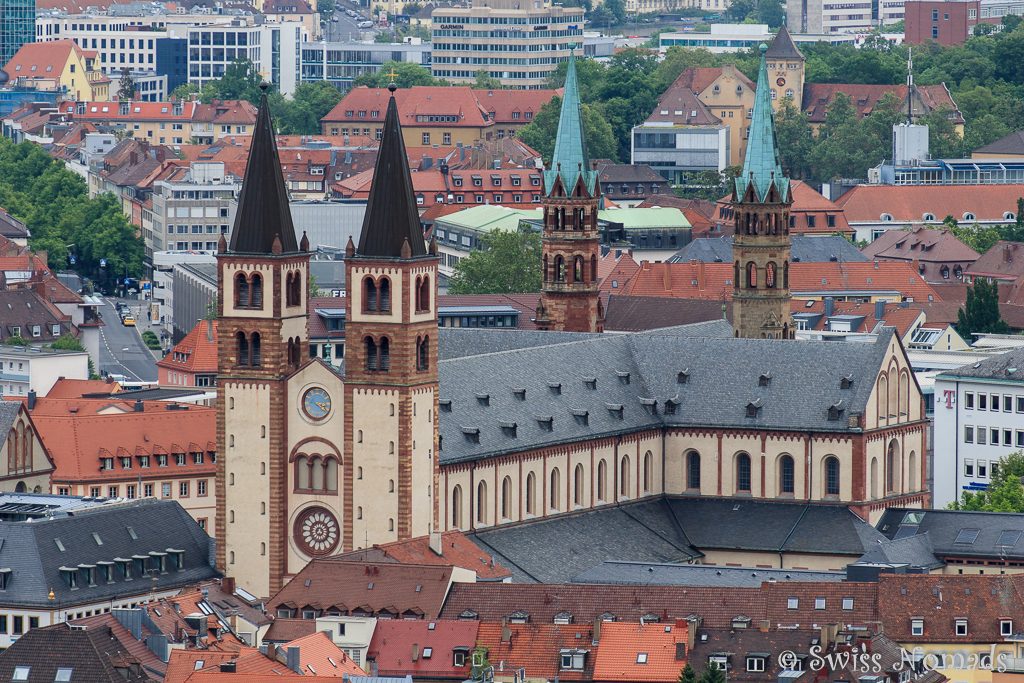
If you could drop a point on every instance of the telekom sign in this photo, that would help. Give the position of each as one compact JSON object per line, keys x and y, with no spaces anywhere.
{"x":949,"y":397}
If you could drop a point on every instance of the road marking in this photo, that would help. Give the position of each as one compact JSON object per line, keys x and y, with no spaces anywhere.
{"x":103,"y":336}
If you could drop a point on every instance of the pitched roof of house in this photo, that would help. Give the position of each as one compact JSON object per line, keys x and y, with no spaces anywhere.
{"x":641,"y":652}
{"x":818,"y":97}
{"x":36,"y":552}
{"x":637,"y":371}
{"x":41,"y":60}
{"x":416,"y":106}
{"x":196,"y":352}
{"x":805,"y":249}
{"x":319,"y":656}
{"x":369,"y":587}
{"x":1008,"y":144}
{"x":283,"y":629}
{"x":502,"y":105}
{"x":21,"y":310}
{"x":698,"y":78}
{"x":921,"y":244}
{"x":391,"y":223}
{"x":913,"y":551}
{"x":456,"y":550}
{"x":1004,"y":260}
{"x":92,"y":654}
{"x":78,"y":433}
{"x":956,"y":533}
{"x":263,"y":218}
{"x":859,"y":316}
{"x":628,"y":572}
{"x":783,"y":47}
{"x":536,"y":647}
{"x":77,"y":388}
{"x":636,"y":313}
{"x":183,"y":663}
{"x":679,"y":105}
{"x":422,"y":648}
{"x":11,"y":227}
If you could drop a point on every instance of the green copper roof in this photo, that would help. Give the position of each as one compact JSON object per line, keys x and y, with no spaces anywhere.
{"x":570,"y":157}
{"x":761,"y":165}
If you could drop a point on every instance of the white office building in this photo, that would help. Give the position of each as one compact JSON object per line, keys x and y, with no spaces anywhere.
{"x":979,"y":419}
{"x":273,"y":48}
{"x":341,"y":63}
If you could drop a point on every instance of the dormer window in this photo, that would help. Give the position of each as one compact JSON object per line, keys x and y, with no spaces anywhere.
{"x":582,"y":417}
{"x":961,"y":627}
{"x":846,"y":382}
{"x":615,"y":409}
{"x":472,"y":434}
{"x":483,"y":399}
{"x":519,"y":394}
{"x":836,"y":410}
{"x":545,"y":422}
{"x":509,"y":428}
{"x":683,"y":377}
{"x":445,"y":404}
{"x":741,"y":622}
{"x":1005,"y":627}
{"x":590,"y":383}
{"x":563,"y":618}
{"x":555,"y":387}
{"x":754,"y":408}
{"x":764,"y":380}
{"x":572,"y":660}
{"x":518,"y":617}
{"x":623,"y":377}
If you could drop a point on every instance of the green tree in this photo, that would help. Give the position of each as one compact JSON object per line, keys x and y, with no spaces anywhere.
{"x":406,"y":76}
{"x":186,"y":91}
{"x":67,"y":342}
{"x":1004,"y":493}
{"x":770,"y":12}
{"x":126,"y":86}
{"x":712,"y":674}
{"x":739,"y":10}
{"x":687,"y":675}
{"x":976,"y":237}
{"x":617,"y":8}
{"x":795,"y":140}
{"x":241,"y":81}
{"x":485,"y":81}
{"x":981,"y":310}
{"x":542,"y":131}
{"x":508,"y":263}
{"x":326,"y":8}
{"x":311,"y":102}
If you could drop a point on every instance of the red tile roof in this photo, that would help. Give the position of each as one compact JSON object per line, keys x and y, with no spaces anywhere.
{"x":809,"y":215}
{"x":537,"y":648}
{"x":218,"y":677}
{"x":615,"y":269}
{"x":283,"y":630}
{"x":456,"y":549}
{"x":502,"y":105}
{"x":319,"y":656}
{"x":422,"y":649}
{"x":897,"y":316}
{"x":137,"y":111}
{"x":196,"y":352}
{"x":414,"y":104}
{"x":638,"y":652}
{"x":368,"y":588}
{"x":818,"y":97}
{"x":42,"y":60}
{"x":433,"y":184}
{"x":183,"y":663}
{"x":908,"y":204}
{"x":526,"y":304}
{"x":920,"y":244}
{"x":698,"y":78}
{"x":79,"y":432}
{"x":1003,"y":261}
{"x":77,"y":388}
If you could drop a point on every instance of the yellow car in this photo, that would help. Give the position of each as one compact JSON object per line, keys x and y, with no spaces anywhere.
{"x":128,"y":321}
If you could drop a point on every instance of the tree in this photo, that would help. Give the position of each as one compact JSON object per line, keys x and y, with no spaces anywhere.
{"x":67,"y":342}
{"x":126,"y":86}
{"x":542,"y":131}
{"x":687,"y":675}
{"x":795,"y":140}
{"x":186,"y":91}
{"x":508,"y":263}
{"x":617,"y":8}
{"x":981,"y":310}
{"x":1004,"y":493}
{"x":485,"y":81}
{"x":406,"y":76}
{"x":739,"y":10}
{"x":771,"y":12}
{"x":310,"y":103}
{"x":326,"y":8}
{"x":712,"y":674}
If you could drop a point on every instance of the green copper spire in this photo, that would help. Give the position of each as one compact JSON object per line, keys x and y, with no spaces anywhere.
{"x":570,"y":157}
{"x":761,"y":166}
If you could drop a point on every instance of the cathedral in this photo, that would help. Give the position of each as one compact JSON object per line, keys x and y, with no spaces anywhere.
{"x":428,"y":429}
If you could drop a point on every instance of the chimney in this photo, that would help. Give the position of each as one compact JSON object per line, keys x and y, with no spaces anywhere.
{"x":830,"y":306}
{"x":692,"y":626}
{"x":1007,"y":252}
{"x":227,"y":667}
{"x":139,"y":407}
{"x":31,"y":399}
{"x":597,"y":629}
{"x":227,"y":584}
{"x":271,"y":651}
{"x":879,"y":310}
{"x":827,"y":635}
{"x":765,"y":626}
{"x":506,"y":634}
{"x":209,"y":330}
{"x":292,"y":660}
{"x":666,"y":277}
{"x":415,"y":652}
{"x":701,"y":281}
{"x":435,"y":543}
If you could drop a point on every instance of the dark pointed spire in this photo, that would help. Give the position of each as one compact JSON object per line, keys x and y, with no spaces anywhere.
{"x":783,"y":46}
{"x":391,"y":226}
{"x":761,"y":166}
{"x":263,"y":215}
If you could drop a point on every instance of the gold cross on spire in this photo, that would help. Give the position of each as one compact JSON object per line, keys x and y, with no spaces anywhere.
{"x":392,"y":76}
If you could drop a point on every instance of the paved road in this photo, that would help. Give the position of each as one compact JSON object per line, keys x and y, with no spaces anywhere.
{"x":137,"y":363}
{"x":346,"y":28}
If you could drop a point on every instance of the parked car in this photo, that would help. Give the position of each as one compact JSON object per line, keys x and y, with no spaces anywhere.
{"x":128,"y":320}
{"x":365,"y":24}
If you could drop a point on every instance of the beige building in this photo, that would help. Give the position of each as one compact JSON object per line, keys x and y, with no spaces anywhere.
{"x":519,"y":43}
{"x":25,"y":466}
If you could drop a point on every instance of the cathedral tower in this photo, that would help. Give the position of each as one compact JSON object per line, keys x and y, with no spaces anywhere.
{"x":785,"y":70}
{"x":569,"y":299}
{"x":761,"y":245}
{"x":262,"y":339}
{"x":390,"y":394}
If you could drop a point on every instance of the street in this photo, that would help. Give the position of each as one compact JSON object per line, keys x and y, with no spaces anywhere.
{"x":346,"y":28}
{"x":121,"y":349}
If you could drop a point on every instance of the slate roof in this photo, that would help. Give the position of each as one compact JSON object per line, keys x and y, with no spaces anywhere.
{"x":818,"y":97}
{"x":783,"y":47}
{"x":11,"y":227}
{"x":638,"y":313}
{"x":637,"y":376}
{"x":93,"y":655}
{"x":1003,"y":261}
{"x":31,"y":551}
{"x":460,"y":342}
{"x":652,"y":573}
{"x":1008,"y":144}
{"x":456,"y":550}
{"x":1008,"y":366}
{"x":999,"y":534}
{"x":915,"y":551}
{"x":8,"y":414}
{"x":807,"y":249}
{"x":680,"y":106}
{"x":920,"y":243}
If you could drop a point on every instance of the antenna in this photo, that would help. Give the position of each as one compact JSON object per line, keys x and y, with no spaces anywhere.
{"x":910,"y":84}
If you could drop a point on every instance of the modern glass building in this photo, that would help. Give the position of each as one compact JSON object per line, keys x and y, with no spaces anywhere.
{"x":17,"y":26}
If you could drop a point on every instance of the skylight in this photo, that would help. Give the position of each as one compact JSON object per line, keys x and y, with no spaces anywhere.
{"x":967,"y":536}
{"x":641,"y":657}
{"x":1008,"y":538}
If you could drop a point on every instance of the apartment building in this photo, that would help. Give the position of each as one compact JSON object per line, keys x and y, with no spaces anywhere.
{"x":190,"y":207}
{"x":165,"y":263}
{"x":341,"y":63}
{"x":25,"y":368}
{"x":61,"y":67}
{"x":273,"y":48}
{"x":167,"y":123}
{"x":518,"y":43}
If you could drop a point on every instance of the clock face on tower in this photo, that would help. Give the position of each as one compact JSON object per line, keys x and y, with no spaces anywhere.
{"x":780,"y":81}
{"x":317,"y":532}
{"x":316,"y":403}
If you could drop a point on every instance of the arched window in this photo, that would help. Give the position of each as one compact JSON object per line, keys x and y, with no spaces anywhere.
{"x":693,"y":470}
{"x":241,"y":291}
{"x":293,"y":289}
{"x":385,"y":354}
{"x":874,"y":478}
{"x":785,"y":274}
{"x":912,"y":471}
{"x":787,"y":475}
{"x":743,"y":472}
{"x":288,"y":289}
{"x":944,"y":272}
{"x":736,"y":273}
{"x":385,"y":295}
{"x":892,"y":467}
{"x":905,"y":394}
{"x":506,"y":498}
{"x":752,"y":275}
{"x":369,"y":295}
{"x":577,"y":486}
{"x":316,"y":468}
{"x":481,"y":503}
{"x":370,"y":350}
{"x":547,"y":271}
{"x":331,"y":474}
{"x":593,"y":268}
{"x":422,"y":294}
{"x":648,"y":472}
{"x":257,"y":290}
{"x":624,"y":476}
{"x":422,"y":353}
{"x":602,"y":480}
{"x":958,"y":272}
{"x":883,"y":396}
{"x":241,"y":348}
{"x":894,"y":392}
{"x":769,"y":275}
{"x":531,"y":494}
{"x":577,"y":269}
{"x":457,"y":507}
{"x":254,"y":349}
{"x":559,"y":268}
{"x":831,"y":476}
{"x":554,"y":490}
